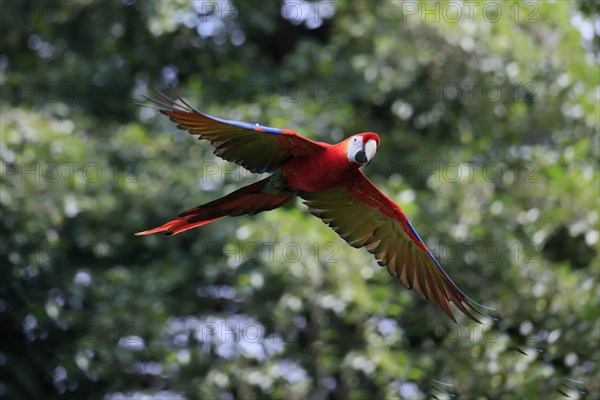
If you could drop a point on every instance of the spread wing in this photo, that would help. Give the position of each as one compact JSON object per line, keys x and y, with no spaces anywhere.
{"x":254,"y":147}
{"x":365,"y":217}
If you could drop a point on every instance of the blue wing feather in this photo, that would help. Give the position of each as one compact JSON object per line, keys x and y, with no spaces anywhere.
{"x":412,"y":229}
{"x":247,"y":125}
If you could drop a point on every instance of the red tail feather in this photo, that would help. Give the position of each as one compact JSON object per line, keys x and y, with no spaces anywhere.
{"x":176,"y":226}
{"x":247,"y":200}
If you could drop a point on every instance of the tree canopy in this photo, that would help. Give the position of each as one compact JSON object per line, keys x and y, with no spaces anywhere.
{"x":488,"y":117}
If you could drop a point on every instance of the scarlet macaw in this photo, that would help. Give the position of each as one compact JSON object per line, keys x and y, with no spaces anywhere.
{"x":329,"y":180}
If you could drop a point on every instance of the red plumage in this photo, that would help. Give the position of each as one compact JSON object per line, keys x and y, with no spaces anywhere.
{"x":329,"y":179}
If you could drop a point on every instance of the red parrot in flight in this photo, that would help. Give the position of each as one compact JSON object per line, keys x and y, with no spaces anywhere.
{"x":329,"y":180}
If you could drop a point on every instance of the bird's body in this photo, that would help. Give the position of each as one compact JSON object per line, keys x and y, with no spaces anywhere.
{"x":324,"y":169}
{"x":329,"y":180}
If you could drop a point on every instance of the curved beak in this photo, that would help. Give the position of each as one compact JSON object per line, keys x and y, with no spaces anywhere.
{"x":361,"y":156}
{"x":367,"y":153}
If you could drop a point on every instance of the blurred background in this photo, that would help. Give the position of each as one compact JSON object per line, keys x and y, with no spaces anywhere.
{"x":488,"y":116}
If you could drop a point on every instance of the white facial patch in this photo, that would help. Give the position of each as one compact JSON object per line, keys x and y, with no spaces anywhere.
{"x":354,"y":146}
{"x":359,"y":152}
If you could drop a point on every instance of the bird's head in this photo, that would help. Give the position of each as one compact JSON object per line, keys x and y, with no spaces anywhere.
{"x":362,"y":147}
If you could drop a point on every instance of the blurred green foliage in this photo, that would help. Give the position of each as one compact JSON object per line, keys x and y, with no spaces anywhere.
{"x":488,"y":116}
